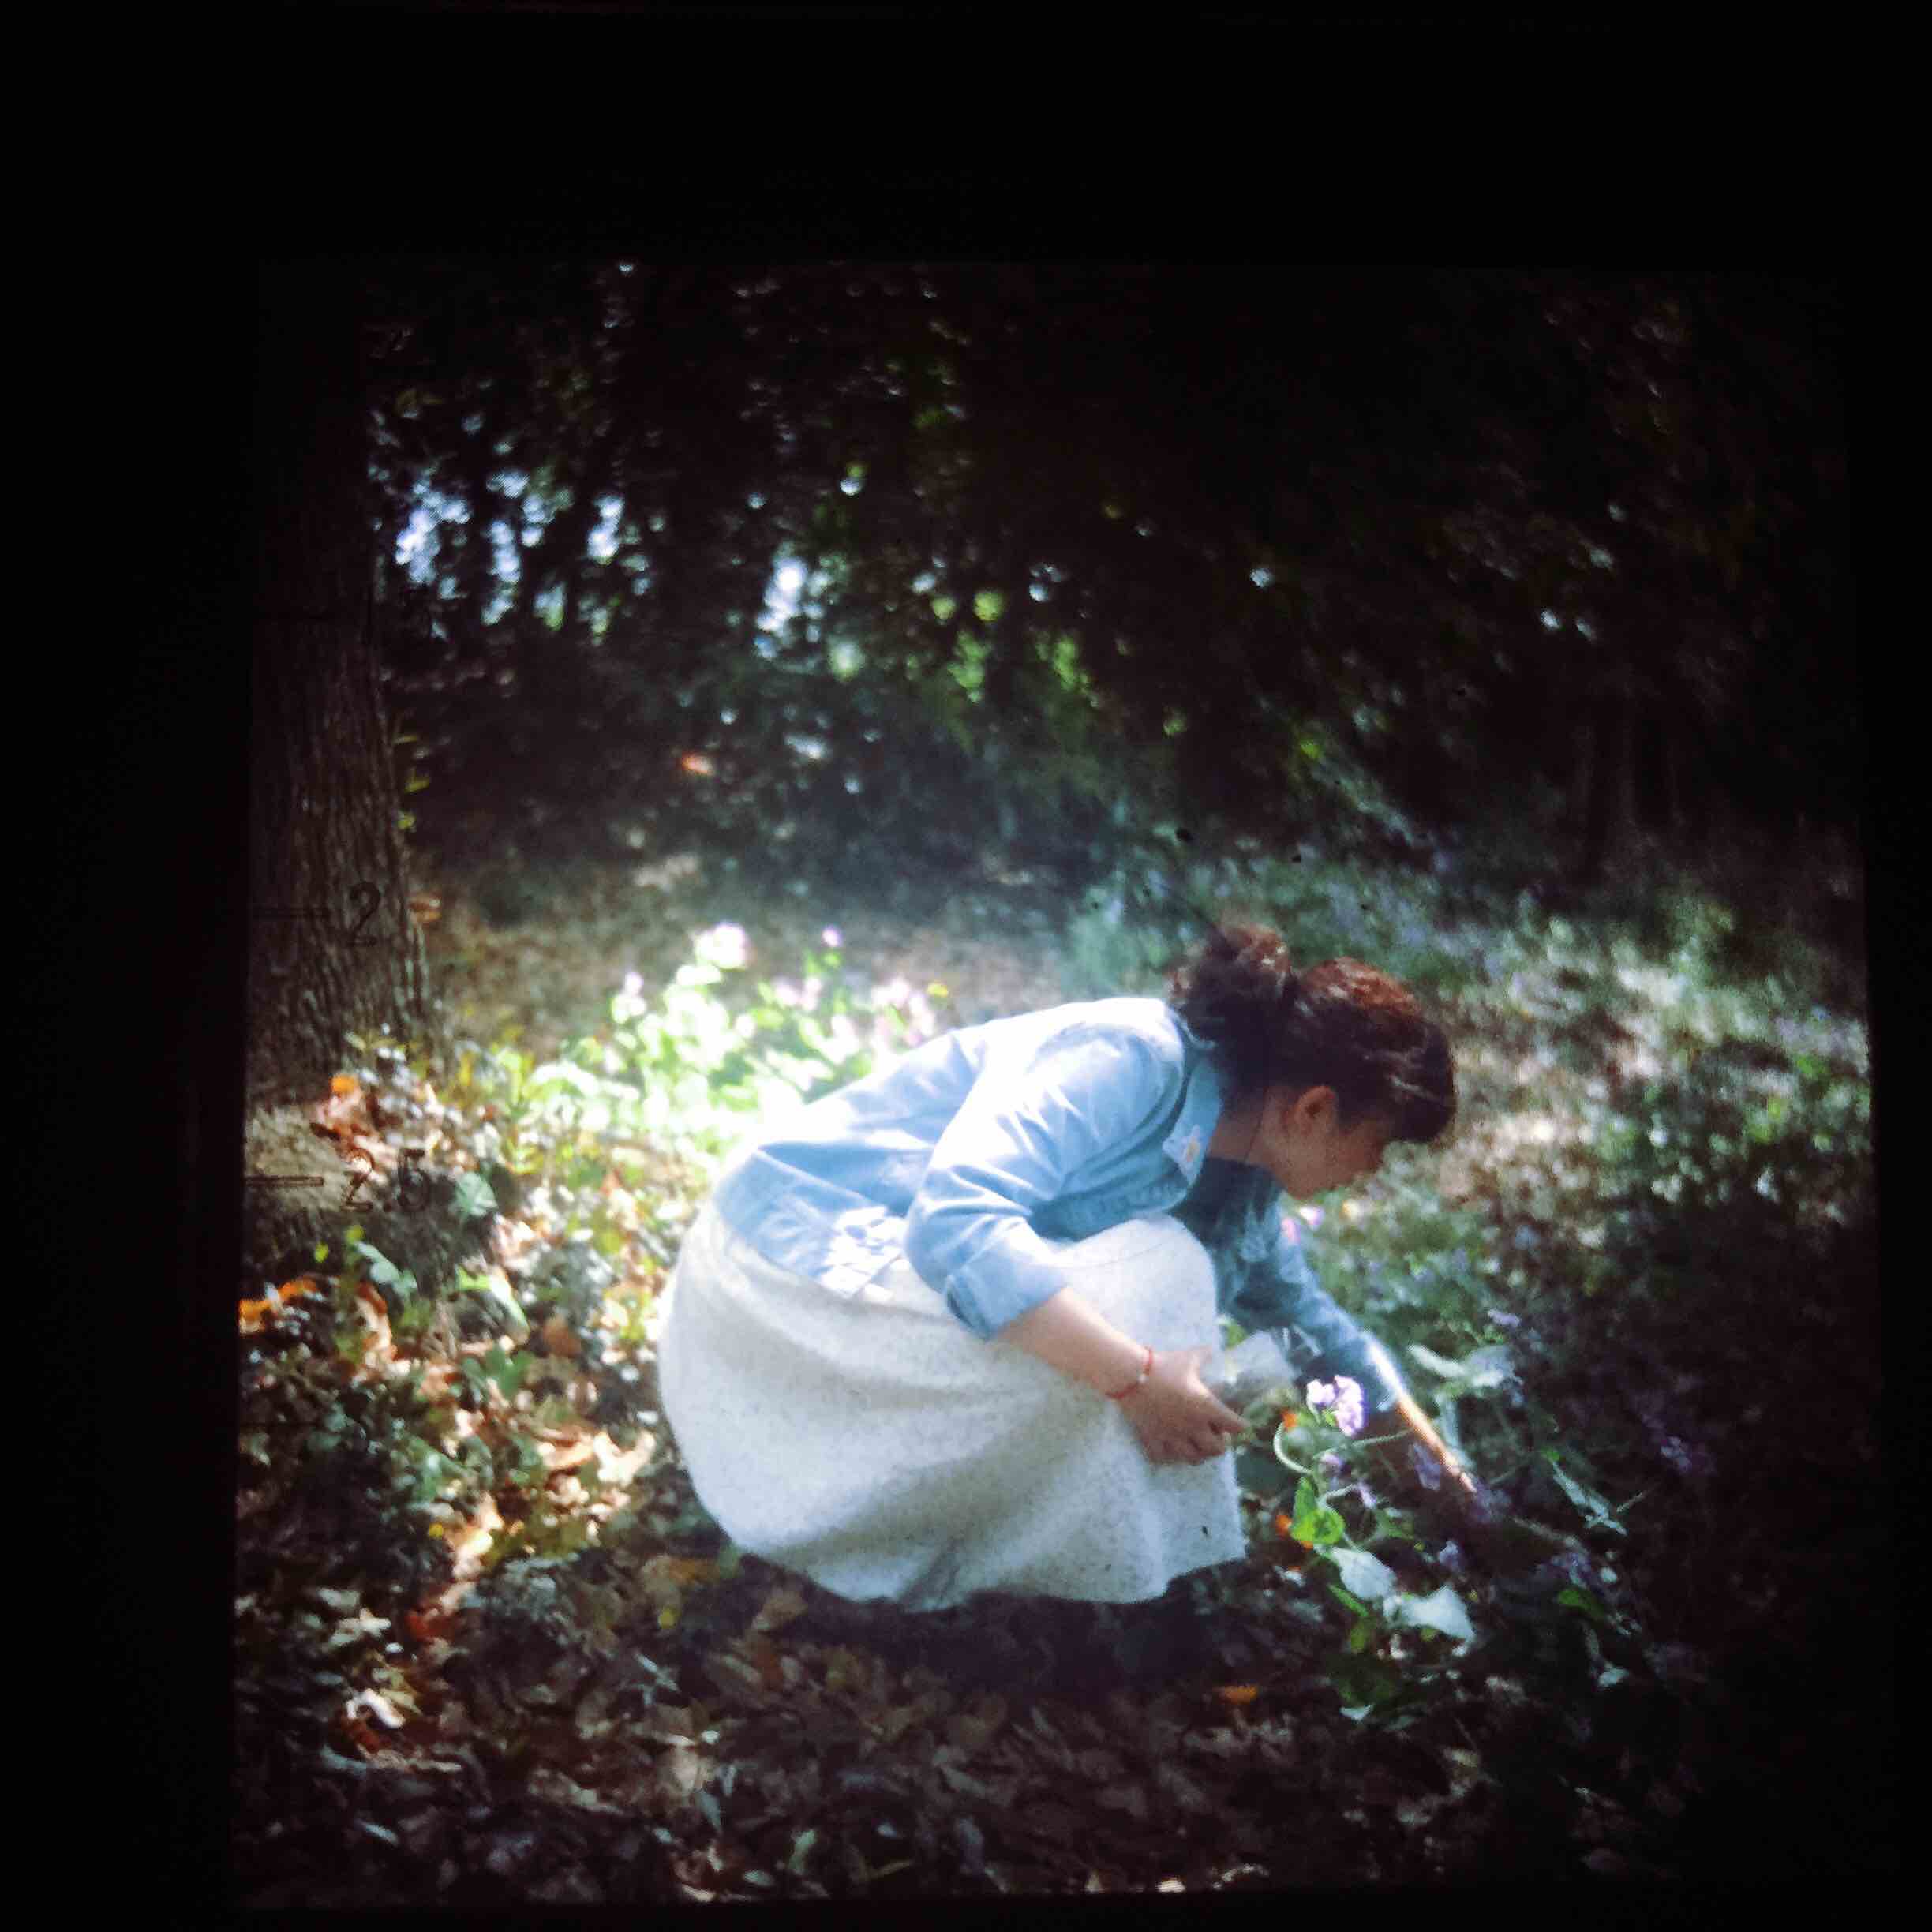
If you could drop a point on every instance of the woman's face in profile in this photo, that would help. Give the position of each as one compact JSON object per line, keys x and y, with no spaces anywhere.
{"x":1302,"y":1144}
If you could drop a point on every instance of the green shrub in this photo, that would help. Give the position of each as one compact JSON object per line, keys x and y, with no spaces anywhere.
{"x":1154,"y":906}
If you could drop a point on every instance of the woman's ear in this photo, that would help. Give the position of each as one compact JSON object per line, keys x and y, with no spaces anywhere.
{"x":1311,"y":1110}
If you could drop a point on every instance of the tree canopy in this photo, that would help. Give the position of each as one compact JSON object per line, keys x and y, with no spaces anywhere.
{"x":1276,"y":549}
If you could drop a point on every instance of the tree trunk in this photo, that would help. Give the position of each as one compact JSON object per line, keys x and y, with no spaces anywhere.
{"x":1608,"y":779}
{"x":1655,"y":759}
{"x":333,"y":947}
{"x":1598,"y":774}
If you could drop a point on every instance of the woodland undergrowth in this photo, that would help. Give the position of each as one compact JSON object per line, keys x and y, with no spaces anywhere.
{"x":489,"y":1648}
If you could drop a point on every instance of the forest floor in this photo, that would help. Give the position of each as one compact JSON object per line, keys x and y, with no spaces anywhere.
{"x":632,"y":1711}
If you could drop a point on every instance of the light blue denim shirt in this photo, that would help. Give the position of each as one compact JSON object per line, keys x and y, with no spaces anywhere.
{"x":976,"y":1152}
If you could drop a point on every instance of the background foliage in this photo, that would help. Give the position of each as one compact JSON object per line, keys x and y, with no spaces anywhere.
{"x":1372,"y":557}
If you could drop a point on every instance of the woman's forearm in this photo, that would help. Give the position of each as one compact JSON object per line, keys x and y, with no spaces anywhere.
{"x":1176,"y":1418}
{"x":1073,"y":1336}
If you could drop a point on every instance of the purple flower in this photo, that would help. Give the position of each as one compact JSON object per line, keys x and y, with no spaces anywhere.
{"x":1569,"y":1568}
{"x":1689,"y":1460}
{"x":1503,"y":1320}
{"x":1343,"y":1397}
{"x":1449,"y":1556}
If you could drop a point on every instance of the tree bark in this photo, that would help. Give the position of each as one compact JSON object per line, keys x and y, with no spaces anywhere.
{"x":333,"y":947}
{"x":1607,"y":778}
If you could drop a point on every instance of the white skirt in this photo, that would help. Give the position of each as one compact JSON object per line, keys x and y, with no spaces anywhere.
{"x":877,"y":1445}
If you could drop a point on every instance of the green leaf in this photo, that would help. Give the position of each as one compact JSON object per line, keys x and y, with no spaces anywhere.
{"x":1315,"y":1523}
{"x":1367,"y":1576}
{"x":506,"y":1371}
{"x":474,"y":1197}
{"x":385,"y":1274}
{"x":1436,"y":1364}
{"x":1591,"y":1504}
{"x":1442,"y":1610}
{"x":1362,"y":1683}
{"x":1575,"y":1599}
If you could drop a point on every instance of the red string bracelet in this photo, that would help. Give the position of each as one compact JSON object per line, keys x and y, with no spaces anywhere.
{"x":1147,"y":1369}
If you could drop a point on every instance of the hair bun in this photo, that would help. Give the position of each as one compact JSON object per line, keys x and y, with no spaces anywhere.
{"x":1341,"y":1024}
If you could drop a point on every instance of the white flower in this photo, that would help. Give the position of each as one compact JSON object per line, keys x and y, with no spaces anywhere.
{"x":831,"y":938}
{"x":724,"y":946}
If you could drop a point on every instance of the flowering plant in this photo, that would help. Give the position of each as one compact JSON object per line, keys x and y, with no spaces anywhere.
{"x":725,"y":1052}
{"x":1329,"y":1443}
{"x":1341,"y":1399}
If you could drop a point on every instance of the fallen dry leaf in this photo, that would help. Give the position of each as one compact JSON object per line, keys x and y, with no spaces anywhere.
{"x":546,"y":1781}
{"x":974,"y":1728}
{"x":358,"y":1733}
{"x":782,"y":1606}
{"x":426,"y":1629}
{"x":665,"y":1578}
{"x":733,"y":1674}
{"x":763,"y":1656}
{"x":893,"y":1723}
{"x":681,"y":1771}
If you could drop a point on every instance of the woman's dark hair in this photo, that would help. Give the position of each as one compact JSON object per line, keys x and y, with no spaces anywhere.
{"x":1339,"y":1024}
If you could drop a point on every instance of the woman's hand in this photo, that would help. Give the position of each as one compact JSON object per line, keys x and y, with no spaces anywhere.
{"x":1177,"y":1417}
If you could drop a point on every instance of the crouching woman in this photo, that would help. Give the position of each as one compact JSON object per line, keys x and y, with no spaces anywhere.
{"x":941,"y":1335}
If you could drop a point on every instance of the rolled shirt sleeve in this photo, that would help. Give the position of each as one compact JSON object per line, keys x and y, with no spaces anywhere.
{"x":1018,"y":1141}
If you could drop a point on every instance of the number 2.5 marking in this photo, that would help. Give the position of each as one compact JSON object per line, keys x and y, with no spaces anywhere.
{"x":412,"y":1184}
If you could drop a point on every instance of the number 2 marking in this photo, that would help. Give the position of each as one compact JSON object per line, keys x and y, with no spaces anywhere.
{"x":375,"y":899}
{"x":356,"y":1154}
